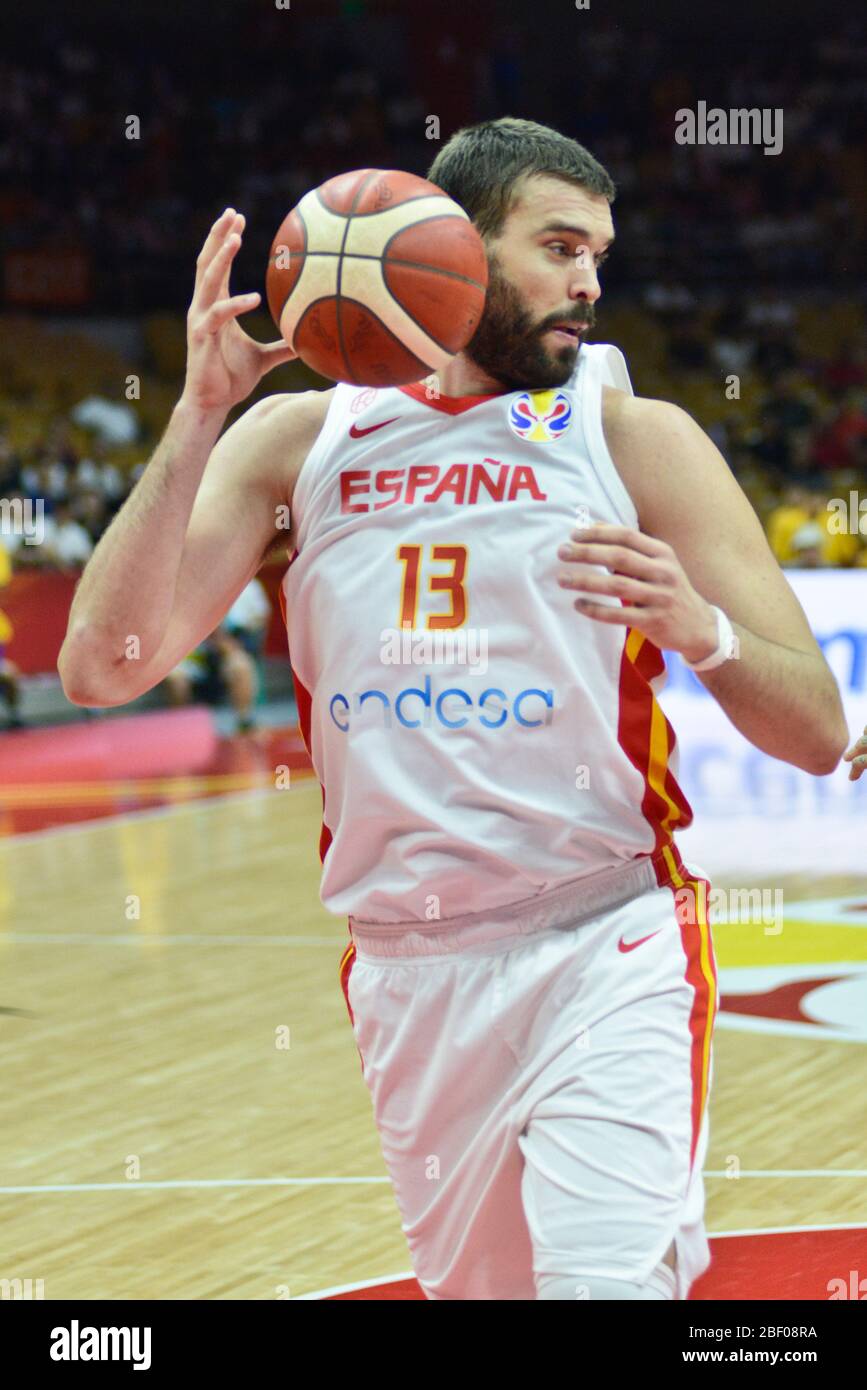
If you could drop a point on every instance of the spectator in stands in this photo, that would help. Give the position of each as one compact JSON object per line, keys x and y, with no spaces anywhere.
{"x":732,"y":347}
{"x":218,"y":669}
{"x":224,"y":665}
{"x":58,"y":444}
{"x":769,"y":309}
{"x":95,"y":471}
{"x":786,"y":520}
{"x":687,"y":345}
{"x":790,"y":401}
{"x":806,"y":547}
{"x":91,"y":509}
{"x":775,"y":352}
{"x":801,"y":467}
{"x":772,"y":447}
{"x":248,"y":618}
{"x":45,"y":476}
{"x":668,"y":299}
{"x":10,"y":464}
{"x":10,"y":689}
{"x":67,"y":545}
{"x":848,"y":367}
{"x":112,"y":420}
{"x":791,"y":531}
{"x":838,"y":443}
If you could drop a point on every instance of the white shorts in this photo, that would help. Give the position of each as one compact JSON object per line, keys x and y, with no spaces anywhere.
{"x":541,"y":1092}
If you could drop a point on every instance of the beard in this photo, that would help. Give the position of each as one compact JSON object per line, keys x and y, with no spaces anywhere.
{"x":508,"y":346}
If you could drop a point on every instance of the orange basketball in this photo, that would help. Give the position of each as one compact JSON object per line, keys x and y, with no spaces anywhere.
{"x":377,"y":278}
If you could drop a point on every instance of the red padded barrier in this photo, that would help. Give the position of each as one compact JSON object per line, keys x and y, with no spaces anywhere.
{"x":161,"y":744}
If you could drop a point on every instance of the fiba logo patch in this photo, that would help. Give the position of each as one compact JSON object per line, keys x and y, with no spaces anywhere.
{"x":541,"y":416}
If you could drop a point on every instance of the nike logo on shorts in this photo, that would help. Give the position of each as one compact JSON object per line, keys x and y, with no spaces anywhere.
{"x":630,"y":946}
{"x":357,"y":433}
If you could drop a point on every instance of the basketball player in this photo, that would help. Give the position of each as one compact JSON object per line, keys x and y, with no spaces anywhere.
{"x":530,"y":976}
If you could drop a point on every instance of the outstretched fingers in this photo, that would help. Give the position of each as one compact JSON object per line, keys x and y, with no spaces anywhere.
{"x":214,"y":240}
{"x":214,"y":283}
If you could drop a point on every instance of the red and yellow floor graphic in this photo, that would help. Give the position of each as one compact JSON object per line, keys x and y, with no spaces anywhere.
{"x":752,"y":1265}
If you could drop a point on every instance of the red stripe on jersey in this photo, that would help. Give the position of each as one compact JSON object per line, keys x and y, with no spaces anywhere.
{"x":347,"y":961}
{"x":648,"y":740}
{"x":304,"y":701}
{"x":450,"y":405}
{"x":701,"y":972}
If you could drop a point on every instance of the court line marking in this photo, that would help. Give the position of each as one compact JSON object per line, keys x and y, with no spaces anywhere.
{"x":790,"y":1230}
{"x":186,"y":1183}
{"x":153,"y":812}
{"x":786,"y":1028}
{"x":181,"y":939}
{"x":17,"y":794}
{"x":787,"y":1173}
{"x":168,"y":1183}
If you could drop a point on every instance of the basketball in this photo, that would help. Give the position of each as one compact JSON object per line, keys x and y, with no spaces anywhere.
{"x":377,"y":278}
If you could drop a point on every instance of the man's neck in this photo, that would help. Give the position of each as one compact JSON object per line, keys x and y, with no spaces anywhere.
{"x":460,"y":377}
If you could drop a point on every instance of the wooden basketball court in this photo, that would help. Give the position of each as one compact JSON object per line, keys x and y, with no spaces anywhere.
{"x":184,"y":1115}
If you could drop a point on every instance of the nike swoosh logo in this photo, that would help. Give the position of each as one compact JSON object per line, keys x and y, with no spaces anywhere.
{"x":357,"y":433}
{"x":622,"y":945}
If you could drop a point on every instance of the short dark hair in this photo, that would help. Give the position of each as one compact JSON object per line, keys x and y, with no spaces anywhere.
{"x":480,"y":165}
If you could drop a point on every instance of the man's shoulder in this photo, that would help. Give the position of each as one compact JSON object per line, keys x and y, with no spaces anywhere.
{"x":649,"y":442}
{"x":293,"y":409}
{"x":626,"y":418}
{"x":278,"y":432}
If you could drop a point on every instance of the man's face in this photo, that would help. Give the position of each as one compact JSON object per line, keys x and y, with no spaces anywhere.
{"x":542,"y":272}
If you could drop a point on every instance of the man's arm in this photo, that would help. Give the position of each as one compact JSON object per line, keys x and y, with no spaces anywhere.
{"x":183,"y":546}
{"x":167,"y":581}
{"x":709,"y":548}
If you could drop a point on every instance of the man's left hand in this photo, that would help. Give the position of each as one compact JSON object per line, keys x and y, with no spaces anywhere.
{"x":647,"y":576}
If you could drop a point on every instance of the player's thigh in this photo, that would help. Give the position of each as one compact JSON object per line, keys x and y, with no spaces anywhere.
{"x":441,"y":1083}
{"x":433,"y":1069}
{"x":609,"y":1142}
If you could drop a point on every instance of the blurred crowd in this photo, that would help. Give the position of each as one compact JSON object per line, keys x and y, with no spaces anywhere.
{"x":77,"y":493}
{"x":318,"y":93}
{"x":120,"y":141}
{"x":802,"y":444}
{"x":58,"y":500}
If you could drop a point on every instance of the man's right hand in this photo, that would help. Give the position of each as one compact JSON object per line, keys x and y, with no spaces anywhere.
{"x":224,"y":363}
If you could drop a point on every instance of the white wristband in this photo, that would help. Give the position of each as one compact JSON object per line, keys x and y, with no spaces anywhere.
{"x":725,"y":645}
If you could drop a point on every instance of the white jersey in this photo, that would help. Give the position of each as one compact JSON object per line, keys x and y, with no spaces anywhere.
{"x":476,"y":738}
